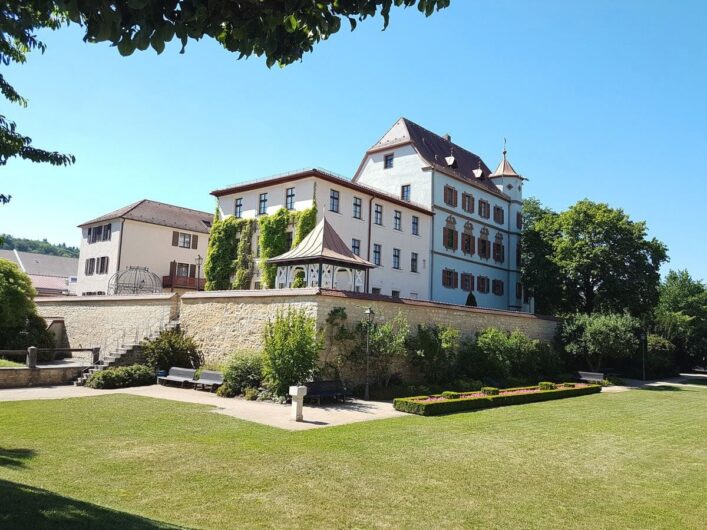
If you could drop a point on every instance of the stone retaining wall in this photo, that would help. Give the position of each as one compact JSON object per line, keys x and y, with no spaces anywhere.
{"x":41,"y":376}
{"x":106,"y":321}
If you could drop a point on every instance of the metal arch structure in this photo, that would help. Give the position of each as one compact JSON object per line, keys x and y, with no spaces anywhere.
{"x":135,"y":280}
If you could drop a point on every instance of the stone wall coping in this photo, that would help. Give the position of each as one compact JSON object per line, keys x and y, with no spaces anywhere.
{"x":252,"y":293}
{"x":104,"y":298}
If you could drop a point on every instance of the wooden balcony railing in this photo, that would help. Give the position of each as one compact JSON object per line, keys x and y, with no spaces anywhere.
{"x":182,"y":282}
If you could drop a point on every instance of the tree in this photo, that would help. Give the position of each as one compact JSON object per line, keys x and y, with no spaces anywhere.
{"x":681,"y":316}
{"x":9,"y":242}
{"x":435,"y":350}
{"x":387,"y":346}
{"x":598,"y":337}
{"x":599,"y":258}
{"x":281,"y":31}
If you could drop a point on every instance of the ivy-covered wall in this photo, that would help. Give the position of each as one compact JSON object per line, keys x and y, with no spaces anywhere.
{"x":229,"y":259}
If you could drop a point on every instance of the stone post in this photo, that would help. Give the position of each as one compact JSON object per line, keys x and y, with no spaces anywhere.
{"x":32,"y":357}
{"x":297,"y":393}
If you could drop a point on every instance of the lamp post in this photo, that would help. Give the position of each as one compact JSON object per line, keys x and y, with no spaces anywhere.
{"x":199,"y":260}
{"x":643,"y":352}
{"x":369,"y":318}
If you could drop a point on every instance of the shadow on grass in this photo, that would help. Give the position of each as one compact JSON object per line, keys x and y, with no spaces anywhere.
{"x":662,"y":388}
{"x":27,"y":507}
{"x":15,"y":457}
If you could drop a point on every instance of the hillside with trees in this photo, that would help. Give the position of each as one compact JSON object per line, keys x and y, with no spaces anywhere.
{"x":8,"y":242}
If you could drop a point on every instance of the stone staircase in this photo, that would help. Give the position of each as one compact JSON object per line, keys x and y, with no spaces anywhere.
{"x":124,"y":355}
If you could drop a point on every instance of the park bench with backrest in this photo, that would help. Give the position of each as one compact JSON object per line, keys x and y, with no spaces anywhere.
{"x":591,"y":377}
{"x":209,"y":379}
{"x":326,"y":389}
{"x":178,"y":375}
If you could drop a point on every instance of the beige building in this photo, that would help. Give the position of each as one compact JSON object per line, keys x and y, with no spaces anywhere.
{"x":167,"y":240}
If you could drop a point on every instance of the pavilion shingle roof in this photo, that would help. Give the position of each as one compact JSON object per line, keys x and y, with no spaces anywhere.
{"x":160,"y":213}
{"x":322,"y":244}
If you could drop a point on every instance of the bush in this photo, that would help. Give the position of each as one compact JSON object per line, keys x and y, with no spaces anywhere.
{"x":291,"y":350}
{"x":598,"y":337}
{"x":451,"y":395}
{"x":489,"y":390}
{"x":547,"y":385}
{"x":660,"y":358}
{"x":171,"y":348}
{"x":435,"y":351}
{"x":568,"y":385}
{"x":433,"y":408}
{"x":250,"y":393}
{"x":242,"y":372}
{"x":122,"y":377}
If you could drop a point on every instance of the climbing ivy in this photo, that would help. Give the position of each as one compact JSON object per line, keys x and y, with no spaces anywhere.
{"x":244,"y":256}
{"x":220,"y":264}
{"x":273,"y":242}
{"x":304,"y":222}
{"x":298,"y":282}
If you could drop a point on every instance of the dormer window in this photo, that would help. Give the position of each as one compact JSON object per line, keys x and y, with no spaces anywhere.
{"x":388,"y":161}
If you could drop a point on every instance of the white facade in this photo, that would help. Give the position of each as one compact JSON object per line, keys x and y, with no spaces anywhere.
{"x":356,"y":226}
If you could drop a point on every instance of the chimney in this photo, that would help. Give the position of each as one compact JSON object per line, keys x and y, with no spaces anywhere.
{"x":447,"y":137}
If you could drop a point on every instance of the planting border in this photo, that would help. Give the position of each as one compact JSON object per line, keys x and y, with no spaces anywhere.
{"x":447,"y":406}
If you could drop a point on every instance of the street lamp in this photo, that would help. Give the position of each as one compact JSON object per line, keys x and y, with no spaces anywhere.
{"x":199,"y":260}
{"x":369,"y":317}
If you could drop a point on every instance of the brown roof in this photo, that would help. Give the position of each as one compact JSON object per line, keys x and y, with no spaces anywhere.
{"x":160,"y":213}
{"x":505,"y":169}
{"x":440,"y":153}
{"x":322,"y":244}
{"x":324,"y":175}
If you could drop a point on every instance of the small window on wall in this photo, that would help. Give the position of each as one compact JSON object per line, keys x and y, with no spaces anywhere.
{"x":467,"y":281}
{"x":450,"y":196}
{"x":378,"y":214}
{"x":450,"y":278}
{"x":415,"y":225}
{"x":376,"y":290}
{"x":290,"y":199}
{"x":405,"y":192}
{"x":497,"y":287}
{"x":357,"y":207}
{"x":482,"y":284}
{"x":498,"y":215}
{"x":238,"y":211}
{"x":102,"y":265}
{"x":356,"y":246}
{"x":398,"y":220}
{"x":388,"y":161}
{"x":484,"y":209}
{"x":89,"y":266}
{"x":396,"y":258}
{"x":395,"y":294}
{"x":184,"y":240}
{"x":376,"y":254}
{"x":262,"y":204}
{"x":468,"y":202}
{"x":106,"y":233}
{"x":334,"y":201}
{"x":413,"y":262}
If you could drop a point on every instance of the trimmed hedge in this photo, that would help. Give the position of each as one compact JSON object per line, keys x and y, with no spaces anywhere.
{"x":447,"y":406}
{"x":122,"y":377}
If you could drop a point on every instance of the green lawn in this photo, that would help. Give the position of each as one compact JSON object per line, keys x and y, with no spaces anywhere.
{"x":4,"y":363}
{"x":635,"y":459}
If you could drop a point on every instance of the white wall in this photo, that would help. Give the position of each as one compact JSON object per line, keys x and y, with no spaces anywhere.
{"x":98,"y":282}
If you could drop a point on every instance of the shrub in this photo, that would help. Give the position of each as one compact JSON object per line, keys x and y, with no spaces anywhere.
{"x":489,"y":390}
{"x":660,"y":357}
{"x":250,"y":393}
{"x":435,"y":351}
{"x":242,"y":372}
{"x":122,"y":377}
{"x":171,"y":348}
{"x":547,"y":385}
{"x":291,"y":350}
{"x":568,"y":385}
{"x":597,"y":337}
{"x":451,"y":395}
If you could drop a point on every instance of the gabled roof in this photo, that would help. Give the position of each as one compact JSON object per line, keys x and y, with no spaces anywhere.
{"x":322,"y":244}
{"x":42,"y":264}
{"x":505,"y":169}
{"x":439,"y":152}
{"x":159,"y":213}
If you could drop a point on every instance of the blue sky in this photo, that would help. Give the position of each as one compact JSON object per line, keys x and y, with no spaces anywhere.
{"x":601,"y":99}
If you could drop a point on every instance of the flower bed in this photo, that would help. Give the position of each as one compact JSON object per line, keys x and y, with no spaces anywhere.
{"x":441,"y":404}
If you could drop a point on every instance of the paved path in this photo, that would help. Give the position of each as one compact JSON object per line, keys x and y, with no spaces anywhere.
{"x":267,"y":413}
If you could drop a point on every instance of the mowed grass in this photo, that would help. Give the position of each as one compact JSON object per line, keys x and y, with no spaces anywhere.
{"x":4,"y":363}
{"x":635,"y":459}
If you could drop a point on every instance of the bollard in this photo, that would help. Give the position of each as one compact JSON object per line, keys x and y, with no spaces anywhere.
{"x":32,"y":357}
{"x":297,"y":393}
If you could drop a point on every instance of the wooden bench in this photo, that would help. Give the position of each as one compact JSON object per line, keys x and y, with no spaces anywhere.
{"x":178,"y":375}
{"x":326,"y":389}
{"x":591,"y":377}
{"x":210,"y":379}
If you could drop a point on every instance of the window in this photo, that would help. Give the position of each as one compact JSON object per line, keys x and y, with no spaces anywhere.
{"x":388,"y":161}
{"x":449,"y":278}
{"x":356,"y":246}
{"x":497,"y":287}
{"x":184,"y":240}
{"x":468,"y":202}
{"x":484,"y":209}
{"x":290,"y":199}
{"x":238,"y":211}
{"x":396,"y":258}
{"x":376,"y":254}
{"x":183,"y":270}
{"x":376,"y":290}
{"x":519,"y":220}
{"x":468,"y":244}
{"x":102,"y":265}
{"x":398,"y":220}
{"x":467,"y":281}
{"x":262,"y":204}
{"x":449,"y":238}
{"x":450,"y":196}
{"x":257,"y":285}
{"x":519,"y":256}
{"x":378,"y":215}
{"x":498,"y":215}
{"x":89,"y":266}
{"x":482,"y":284}
{"x":288,"y":239}
{"x":98,"y":233}
{"x":499,"y":251}
{"x":334,"y":201}
{"x":413,"y":262}
{"x":415,"y":225}
{"x":395,"y":294}
{"x":106,"y":232}
{"x":405,"y":192}
{"x":484,"y":244}
{"x":519,"y":290}
{"x":357,"y":207}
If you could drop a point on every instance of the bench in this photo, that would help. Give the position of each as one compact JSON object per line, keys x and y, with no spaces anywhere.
{"x":326,"y":389}
{"x":178,"y":375}
{"x":591,"y":377}
{"x":209,"y":378}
